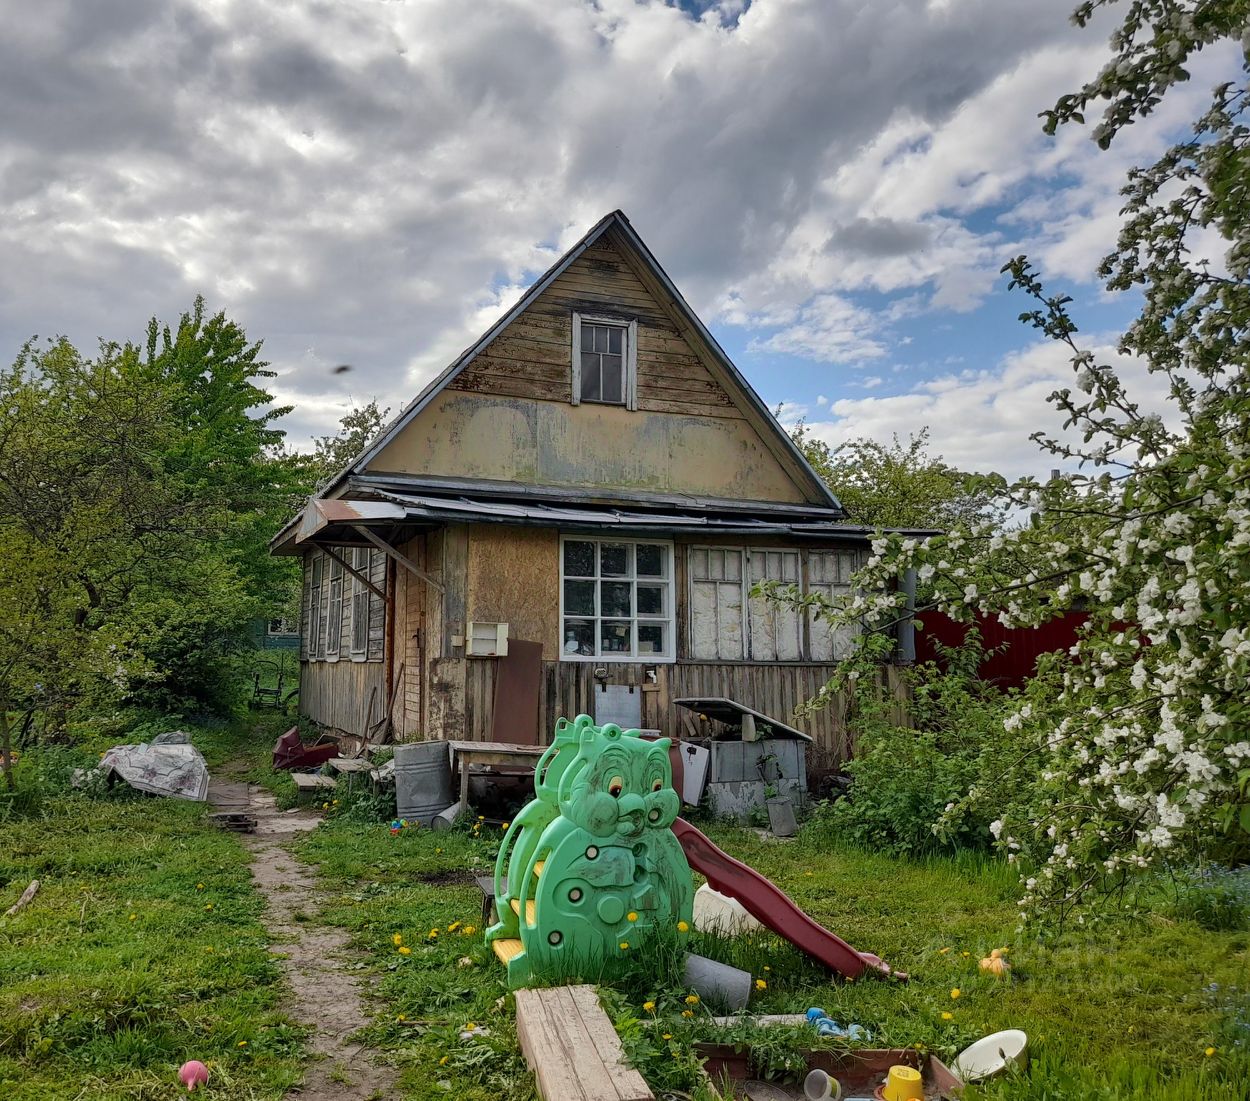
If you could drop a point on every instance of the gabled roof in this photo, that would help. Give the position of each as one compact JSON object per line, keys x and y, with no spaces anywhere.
{"x":777,"y":439}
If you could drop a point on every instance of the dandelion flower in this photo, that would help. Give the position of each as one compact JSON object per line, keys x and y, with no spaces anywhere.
{"x":948,"y":1016}
{"x":667,"y":1036}
{"x":760,"y":984}
{"x":631,"y":916}
{"x":199,"y":886}
{"x":1209,"y":1052}
{"x":481,"y":818}
{"x":687,"y":1013}
{"x":965,"y":954}
{"x":808,"y":873}
{"x":209,"y":906}
{"x":241,"y":1043}
{"x":401,"y":1017}
{"x":433,"y":932}
{"x":405,"y":951}
{"x":208,"y":948}
{"x":397,"y":939}
{"x":943,"y":951}
{"x":683,"y":927}
{"x":504,"y":825}
{"x":649,"y":1006}
{"x":470,"y":1027}
{"x":133,"y":916}
{"x":692,"y":999}
{"x":955,"y":993}
{"x":624,"y":946}
{"x":453,"y":927}
{"x":468,"y":930}
{"x":443,"y":1061}
{"x":767,"y":968}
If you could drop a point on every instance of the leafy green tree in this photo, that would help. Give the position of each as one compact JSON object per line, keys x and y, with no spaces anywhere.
{"x":137,"y":490}
{"x":1142,"y":754}
{"x":358,"y":427}
{"x":900,"y":485}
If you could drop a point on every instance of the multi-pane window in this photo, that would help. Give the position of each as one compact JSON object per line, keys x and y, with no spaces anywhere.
{"x":315,"y":606}
{"x":728,"y":624}
{"x":604,"y":360}
{"x":282,"y":627}
{"x":603,"y":363}
{"x":334,"y":606}
{"x":360,"y":601}
{"x":829,"y":573}
{"x":616,"y":600}
{"x":716,"y":601}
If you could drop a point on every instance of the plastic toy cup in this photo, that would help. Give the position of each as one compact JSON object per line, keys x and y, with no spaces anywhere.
{"x":818,"y":1086}
{"x":903,"y":1084}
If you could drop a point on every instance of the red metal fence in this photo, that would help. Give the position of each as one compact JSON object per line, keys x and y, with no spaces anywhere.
{"x":1024,"y":645}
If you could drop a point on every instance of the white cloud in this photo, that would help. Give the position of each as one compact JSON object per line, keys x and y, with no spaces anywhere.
{"x":982,"y":420}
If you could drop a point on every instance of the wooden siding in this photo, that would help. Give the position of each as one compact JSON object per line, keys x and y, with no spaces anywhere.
{"x":345,"y":696}
{"x":568,"y":689}
{"x":532,"y":358}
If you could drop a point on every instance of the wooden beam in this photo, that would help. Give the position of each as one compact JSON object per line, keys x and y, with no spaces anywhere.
{"x":362,"y":578}
{"x":402,"y":559}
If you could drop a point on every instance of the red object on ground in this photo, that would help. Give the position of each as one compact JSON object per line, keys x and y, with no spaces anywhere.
{"x":766,"y":902}
{"x":289,"y":751}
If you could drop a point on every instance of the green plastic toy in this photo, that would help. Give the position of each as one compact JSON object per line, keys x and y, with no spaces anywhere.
{"x":590,"y":867}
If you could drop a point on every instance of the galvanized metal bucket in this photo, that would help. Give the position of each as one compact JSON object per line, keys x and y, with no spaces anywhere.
{"x":422,"y":780}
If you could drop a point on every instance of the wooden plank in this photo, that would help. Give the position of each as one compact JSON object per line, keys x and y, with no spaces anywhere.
{"x":305,"y":781}
{"x":604,"y":1040}
{"x":573,"y":1049}
{"x":554,"y":1069}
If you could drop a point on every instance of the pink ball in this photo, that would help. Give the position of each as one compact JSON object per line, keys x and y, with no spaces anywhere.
{"x":193,"y":1073}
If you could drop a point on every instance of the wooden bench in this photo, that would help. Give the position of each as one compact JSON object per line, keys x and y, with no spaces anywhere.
{"x":571,"y":1046}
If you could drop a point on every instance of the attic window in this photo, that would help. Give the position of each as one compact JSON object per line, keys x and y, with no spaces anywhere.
{"x":604,"y":360}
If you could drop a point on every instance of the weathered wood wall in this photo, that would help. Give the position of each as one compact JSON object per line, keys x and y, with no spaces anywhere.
{"x":345,"y":696}
{"x":568,"y":689}
{"x":531,"y":358}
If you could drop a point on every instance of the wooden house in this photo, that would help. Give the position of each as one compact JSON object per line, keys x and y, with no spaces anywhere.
{"x":572,"y":514}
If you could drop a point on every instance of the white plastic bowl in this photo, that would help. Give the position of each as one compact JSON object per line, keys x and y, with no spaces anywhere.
{"x":992,"y":1055}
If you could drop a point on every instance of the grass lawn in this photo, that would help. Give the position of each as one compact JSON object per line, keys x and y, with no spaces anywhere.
{"x":143,"y":948}
{"x":1121,"y":1012}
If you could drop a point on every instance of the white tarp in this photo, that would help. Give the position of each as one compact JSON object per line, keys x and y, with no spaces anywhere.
{"x":169,"y":766}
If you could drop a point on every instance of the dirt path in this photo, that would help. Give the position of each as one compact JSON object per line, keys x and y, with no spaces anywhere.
{"x":323,"y":994}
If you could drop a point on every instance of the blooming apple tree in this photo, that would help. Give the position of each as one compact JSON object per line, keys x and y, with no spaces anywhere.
{"x":1133,"y":747}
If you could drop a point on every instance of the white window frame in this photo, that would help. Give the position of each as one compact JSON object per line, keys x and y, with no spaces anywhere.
{"x":285,"y":630}
{"x":669,"y":619}
{"x":630,"y":380}
{"x":360,"y":605}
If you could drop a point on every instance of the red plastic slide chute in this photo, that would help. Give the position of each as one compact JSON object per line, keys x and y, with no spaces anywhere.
{"x":766,"y":902}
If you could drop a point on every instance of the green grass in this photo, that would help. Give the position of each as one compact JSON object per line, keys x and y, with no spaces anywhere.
{"x":95,"y":1002}
{"x":1118,"y":1012}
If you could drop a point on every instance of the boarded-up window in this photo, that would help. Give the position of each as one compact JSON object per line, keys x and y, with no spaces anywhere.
{"x":334,"y":612}
{"x":721,"y":579}
{"x":775,"y":631}
{"x":716,"y":602}
{"x":829,"y":574}
{"x":360,"y":603}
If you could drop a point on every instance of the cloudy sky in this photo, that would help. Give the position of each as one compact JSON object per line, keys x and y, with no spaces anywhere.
{"x":834,"y":184}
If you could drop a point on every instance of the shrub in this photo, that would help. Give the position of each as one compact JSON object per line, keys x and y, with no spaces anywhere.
{"x":904,"y":774}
